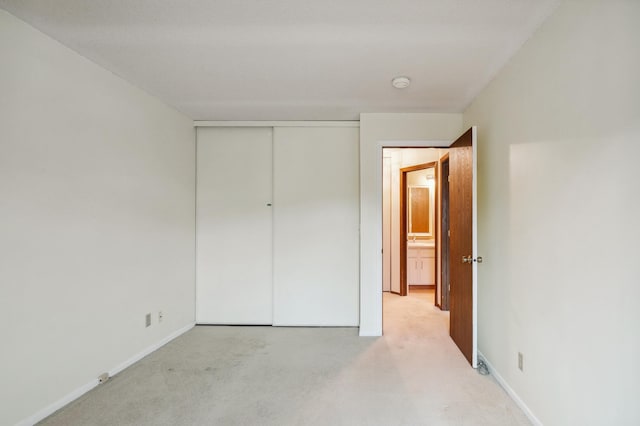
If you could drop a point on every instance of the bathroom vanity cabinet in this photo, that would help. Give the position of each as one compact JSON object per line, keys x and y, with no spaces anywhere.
{"x":421,"y":266}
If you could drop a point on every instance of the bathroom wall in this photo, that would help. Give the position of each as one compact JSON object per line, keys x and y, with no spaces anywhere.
{"x":394,"y":156}
{"x":419,"y":177}
{"x":413,"y":156}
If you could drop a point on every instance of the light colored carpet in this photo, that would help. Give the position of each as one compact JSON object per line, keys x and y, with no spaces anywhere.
{"x":414,"y":375}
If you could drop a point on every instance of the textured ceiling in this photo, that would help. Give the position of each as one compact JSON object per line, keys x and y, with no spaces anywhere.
{"x":294,"y":59}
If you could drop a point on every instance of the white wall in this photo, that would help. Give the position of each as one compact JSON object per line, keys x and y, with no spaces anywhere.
{"x":415,"y":156}
{"x":386,"y":218}
{"x":418,"y":177}
{"x":394,"y":234}
{"x":377,"y":130}
{"x":96,"y":221}
{"x":559,"y":143}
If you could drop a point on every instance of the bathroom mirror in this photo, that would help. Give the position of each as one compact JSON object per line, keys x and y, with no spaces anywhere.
{"x":420,"y":217}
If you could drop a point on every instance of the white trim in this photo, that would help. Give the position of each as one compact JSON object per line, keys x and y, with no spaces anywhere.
{"x":412,"y":144}
{"x":502,"y":382}
{"x":210,"y":123}
{"x":77,"y":393}
{"x":474,"y":245}
{"x":150,"y":349}
{"x":368,"y":333}
{"x":314,"y":325}
{"x":50,"y":409}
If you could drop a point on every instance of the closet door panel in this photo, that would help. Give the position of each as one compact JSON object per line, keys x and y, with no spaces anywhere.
{"x":316,"y":219}
{"x":234,"y":226}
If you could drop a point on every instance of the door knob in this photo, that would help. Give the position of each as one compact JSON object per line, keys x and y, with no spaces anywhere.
{"x":467,"y":259}
{"x":478,"y":259}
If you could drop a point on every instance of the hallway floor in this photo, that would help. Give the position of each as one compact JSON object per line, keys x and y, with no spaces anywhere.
{"x":414,"y":375}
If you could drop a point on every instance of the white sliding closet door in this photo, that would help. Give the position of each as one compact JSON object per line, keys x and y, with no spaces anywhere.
{"x":234,"y":226}
{"x":316,"y":219}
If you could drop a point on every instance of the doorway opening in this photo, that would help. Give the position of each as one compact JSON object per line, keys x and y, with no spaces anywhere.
{"x":461,"y":267}
{"x":418,"y":212}
{"x":412,"y":226}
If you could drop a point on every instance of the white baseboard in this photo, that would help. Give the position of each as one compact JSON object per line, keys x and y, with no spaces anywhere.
{"x":150,"y":349}
{"x":77,"y":393}
{"x":527,"y":411}
{"x":50,"y":409}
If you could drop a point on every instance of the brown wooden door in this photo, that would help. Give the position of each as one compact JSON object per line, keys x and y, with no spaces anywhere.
{"x":462,"y":241}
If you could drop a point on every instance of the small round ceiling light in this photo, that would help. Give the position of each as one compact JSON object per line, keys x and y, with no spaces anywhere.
{"x":401,"y":82}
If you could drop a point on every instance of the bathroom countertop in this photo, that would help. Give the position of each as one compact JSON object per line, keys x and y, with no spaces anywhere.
{"x":421,"y":244}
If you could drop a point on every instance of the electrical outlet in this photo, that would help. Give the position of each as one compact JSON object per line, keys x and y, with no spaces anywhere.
{"x":160,"y":315}
{"x":520,"y":361}
{"x":148,"y":320}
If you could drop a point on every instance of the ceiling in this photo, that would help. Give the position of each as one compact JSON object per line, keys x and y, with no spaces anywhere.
{"x":294,"y":59}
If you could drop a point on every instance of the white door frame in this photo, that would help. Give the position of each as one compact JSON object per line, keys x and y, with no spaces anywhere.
{"x":378,"y":201}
